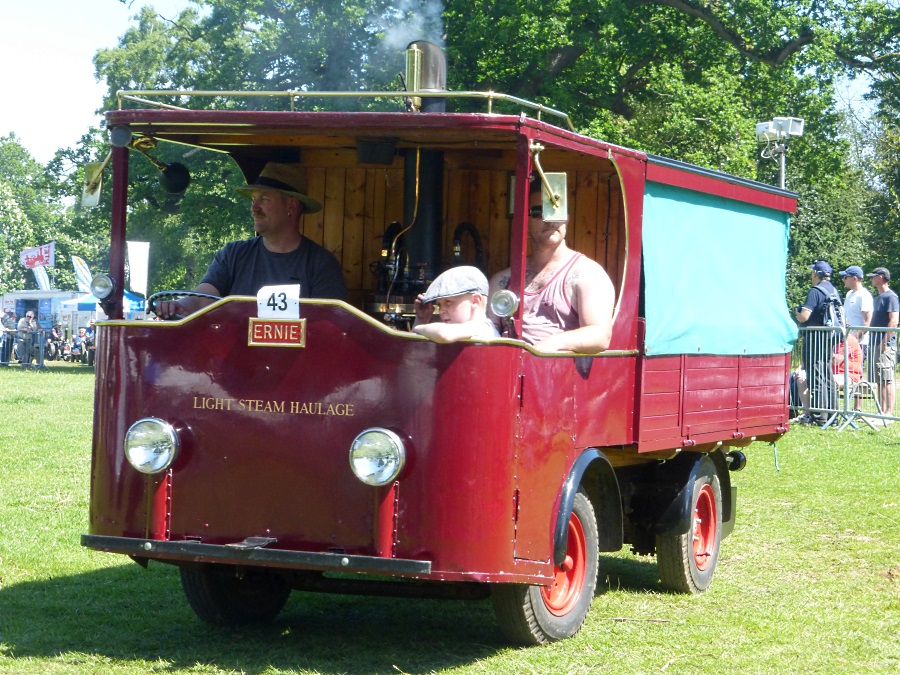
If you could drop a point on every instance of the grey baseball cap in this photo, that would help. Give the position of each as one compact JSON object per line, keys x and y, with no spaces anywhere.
{"x":456,"y":281}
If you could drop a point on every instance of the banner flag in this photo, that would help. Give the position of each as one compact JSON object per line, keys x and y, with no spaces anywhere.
{"x":138,"y":261}
{"x":82,"y":274}
{"x":40,"y":275}
{"x":44,"y":256}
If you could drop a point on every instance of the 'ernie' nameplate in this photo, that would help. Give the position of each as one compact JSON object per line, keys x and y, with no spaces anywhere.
{"x":277,"y":333}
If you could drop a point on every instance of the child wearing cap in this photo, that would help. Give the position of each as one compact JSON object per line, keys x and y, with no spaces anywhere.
{"x":460,"y":295}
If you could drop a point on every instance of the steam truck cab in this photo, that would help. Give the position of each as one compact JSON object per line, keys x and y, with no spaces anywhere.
{"x":328,"y":448}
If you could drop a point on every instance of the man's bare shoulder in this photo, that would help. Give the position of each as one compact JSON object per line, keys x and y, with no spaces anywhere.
{"x":587,"y":271}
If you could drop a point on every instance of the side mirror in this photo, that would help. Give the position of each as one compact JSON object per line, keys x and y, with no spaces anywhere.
{"x":93,"y":184}
{"x":556,"y":204}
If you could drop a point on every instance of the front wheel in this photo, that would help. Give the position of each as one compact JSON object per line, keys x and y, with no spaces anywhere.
{"x":686,"y":562}
{"x":542,"y":614}
{"x":223,"y":595}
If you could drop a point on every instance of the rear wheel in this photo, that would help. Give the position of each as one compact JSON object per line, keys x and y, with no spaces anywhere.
{"x":542,"y":614}
{"x":223,"y":595}
{"x":686,"y":562}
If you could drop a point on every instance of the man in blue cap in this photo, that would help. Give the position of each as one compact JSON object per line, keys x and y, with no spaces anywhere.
{"x":818,"y":345}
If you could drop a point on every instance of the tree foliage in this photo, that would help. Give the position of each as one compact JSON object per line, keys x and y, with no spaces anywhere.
{"x":684,"y":78}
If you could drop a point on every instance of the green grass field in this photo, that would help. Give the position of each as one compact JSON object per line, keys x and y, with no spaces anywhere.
{"x":809,"y":582}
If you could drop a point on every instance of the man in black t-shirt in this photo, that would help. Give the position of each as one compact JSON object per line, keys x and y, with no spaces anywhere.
{"x":818,"y":345}
{"x":279,"y":254}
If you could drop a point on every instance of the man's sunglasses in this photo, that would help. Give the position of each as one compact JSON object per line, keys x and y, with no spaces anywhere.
{"x":535,"y":211}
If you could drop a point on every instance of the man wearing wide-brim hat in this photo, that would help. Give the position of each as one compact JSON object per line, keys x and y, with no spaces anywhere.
{"x":278,"y":254}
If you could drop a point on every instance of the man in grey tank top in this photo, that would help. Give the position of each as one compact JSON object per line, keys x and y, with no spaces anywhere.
{"x":569,"y":298}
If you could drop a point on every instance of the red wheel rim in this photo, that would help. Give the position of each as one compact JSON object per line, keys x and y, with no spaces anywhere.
{"x":705,"y":527}
{"x":568,"y":580}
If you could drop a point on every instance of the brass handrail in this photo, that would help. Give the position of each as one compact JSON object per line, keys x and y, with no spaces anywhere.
{"x":141,"y":96}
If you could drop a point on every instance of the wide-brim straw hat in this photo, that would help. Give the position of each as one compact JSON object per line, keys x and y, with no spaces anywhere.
{"x":287,"y":179}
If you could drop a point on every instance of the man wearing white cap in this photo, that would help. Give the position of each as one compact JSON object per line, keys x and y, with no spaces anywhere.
{"x":858,"y":304}
{"x":279,"y":254}
{"x":460,"y":296}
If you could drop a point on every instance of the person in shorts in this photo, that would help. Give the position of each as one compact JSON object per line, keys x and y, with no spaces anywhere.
{"x":883,"y":347}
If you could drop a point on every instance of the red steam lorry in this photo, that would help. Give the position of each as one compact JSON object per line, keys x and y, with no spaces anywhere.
{"x":333,"y":450}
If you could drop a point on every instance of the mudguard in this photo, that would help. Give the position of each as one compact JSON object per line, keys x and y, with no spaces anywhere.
{"x":595,"y":473}
{"x":676,"y":518}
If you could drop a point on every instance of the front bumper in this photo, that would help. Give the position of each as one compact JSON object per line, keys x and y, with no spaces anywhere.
{"x":238,"y":554}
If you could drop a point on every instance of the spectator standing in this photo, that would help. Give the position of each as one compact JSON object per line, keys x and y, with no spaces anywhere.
{"x":858,"y":304}
{"x":90,"y":337}
{"x":26,"y":328}
{"x":7,"y":336}
{"x":883,"y":346}
{"x":818,"y":346}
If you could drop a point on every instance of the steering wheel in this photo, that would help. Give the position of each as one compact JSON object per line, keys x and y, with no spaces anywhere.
{"x":176,"y":295}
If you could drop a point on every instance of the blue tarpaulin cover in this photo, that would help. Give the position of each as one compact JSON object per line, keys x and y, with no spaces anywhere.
{"x":714,"y":271}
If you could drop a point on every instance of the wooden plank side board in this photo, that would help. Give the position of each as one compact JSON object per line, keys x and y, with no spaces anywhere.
{"x":687,"y":398}
{"x":496,"y":240}
{"x":710,"y":378}
{"x":333,"y":212}
{"x":313,"y":223}
{"x":354,"y":226}
{"x":583,"y":215}
{"x":616,"y":245}
{"x":699,"y":400}
{"x":361,"y":200}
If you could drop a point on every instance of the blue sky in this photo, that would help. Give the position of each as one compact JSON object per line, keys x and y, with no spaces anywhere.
{"x":47,"y":48}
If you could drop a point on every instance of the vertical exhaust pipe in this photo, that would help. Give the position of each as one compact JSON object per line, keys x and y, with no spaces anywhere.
{"x":426,"y":70}
{"x":423,"y":185}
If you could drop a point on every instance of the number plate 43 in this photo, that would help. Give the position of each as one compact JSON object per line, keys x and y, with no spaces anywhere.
{"x":278,"y":322}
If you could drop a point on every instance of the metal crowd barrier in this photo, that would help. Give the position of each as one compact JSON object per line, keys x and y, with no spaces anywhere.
{"x":841,"y":377}
{"x":12,"y":349}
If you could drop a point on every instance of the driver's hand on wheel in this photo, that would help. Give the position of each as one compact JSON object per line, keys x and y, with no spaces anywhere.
{"x":170,"y":309}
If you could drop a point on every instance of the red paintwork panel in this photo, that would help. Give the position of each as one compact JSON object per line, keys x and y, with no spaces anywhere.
{"x":668,"y":403}
{"x":657,"y":423}
{"x":661,"y":381}
{"x":267,"y":432}
{"x":719,"y":187}
{"x":710,"y":399}
{"x":264,"y":459}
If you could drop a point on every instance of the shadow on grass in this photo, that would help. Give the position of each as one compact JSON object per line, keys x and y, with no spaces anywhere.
{"x":59,"y":367}
{"x":127,"y":614}
{"x":635,"y":574}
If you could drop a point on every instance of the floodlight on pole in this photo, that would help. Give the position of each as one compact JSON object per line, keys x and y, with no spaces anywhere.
{"x":775,"y":134}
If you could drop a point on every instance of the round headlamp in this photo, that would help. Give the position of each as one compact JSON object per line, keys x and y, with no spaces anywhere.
{"x":377,"y":456}
{"x":504,"y":303}
{"x":151,"y":445}
{"x":102,"y":286}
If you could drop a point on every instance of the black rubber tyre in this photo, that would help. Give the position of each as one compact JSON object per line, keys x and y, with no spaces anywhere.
{"x":686,"y":562}
{"x":223,"y":595}
{"x":540,"y":614}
